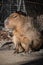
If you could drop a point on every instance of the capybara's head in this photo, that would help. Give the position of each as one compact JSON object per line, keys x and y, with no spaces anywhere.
{"x":13,"y":21}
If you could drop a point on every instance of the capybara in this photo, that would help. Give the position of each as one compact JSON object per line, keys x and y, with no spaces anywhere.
{"x":26,"y":37}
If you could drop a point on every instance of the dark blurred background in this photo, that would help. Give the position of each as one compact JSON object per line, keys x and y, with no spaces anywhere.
{"x":29,"y":7}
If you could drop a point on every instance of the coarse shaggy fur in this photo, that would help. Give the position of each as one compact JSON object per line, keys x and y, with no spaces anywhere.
{"x":25,"y":37}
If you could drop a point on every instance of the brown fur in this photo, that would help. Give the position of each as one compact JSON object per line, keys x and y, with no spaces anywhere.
{"x":25,"y":36}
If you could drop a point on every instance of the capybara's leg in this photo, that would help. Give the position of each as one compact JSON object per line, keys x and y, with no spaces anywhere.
{"x":17,"y":44}
{"x":26,"y":47}
{"x":26,"y":44}
{"x":15,"y":41}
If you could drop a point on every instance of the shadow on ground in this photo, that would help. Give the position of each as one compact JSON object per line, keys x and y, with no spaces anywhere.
{"x":35,"y":62}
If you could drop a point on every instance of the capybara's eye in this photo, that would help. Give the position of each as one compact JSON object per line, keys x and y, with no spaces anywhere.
{"x":14,"y":16}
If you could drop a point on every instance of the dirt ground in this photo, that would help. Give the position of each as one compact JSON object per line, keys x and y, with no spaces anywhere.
{"x":7,"y":57}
